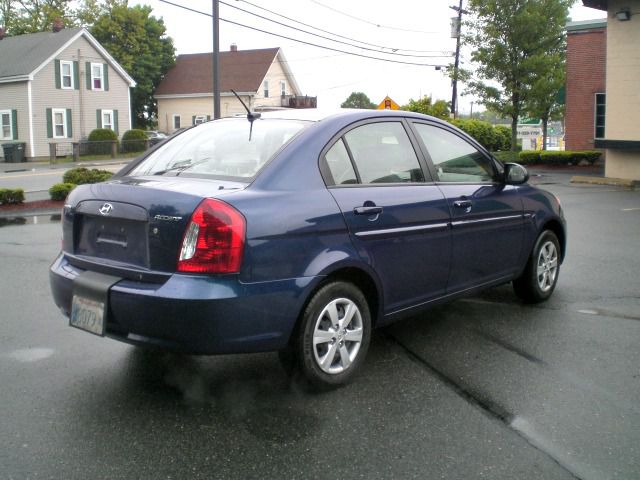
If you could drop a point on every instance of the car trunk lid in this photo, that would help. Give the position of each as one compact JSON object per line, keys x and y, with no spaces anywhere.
{"x":135,"y":223}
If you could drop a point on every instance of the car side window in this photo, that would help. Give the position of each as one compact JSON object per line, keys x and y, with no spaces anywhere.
{"x":382,"y":153}
{"x":339,"y":164}
{"x":454,"y":158}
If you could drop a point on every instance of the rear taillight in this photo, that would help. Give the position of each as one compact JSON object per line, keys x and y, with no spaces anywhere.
{"x":214,"y":240}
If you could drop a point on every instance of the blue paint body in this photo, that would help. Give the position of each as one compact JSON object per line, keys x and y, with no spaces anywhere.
{"x":421,"y":250}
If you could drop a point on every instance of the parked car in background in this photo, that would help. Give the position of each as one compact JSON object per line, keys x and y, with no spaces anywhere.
{"x":155,"y":137}
{"x":300,"y":232}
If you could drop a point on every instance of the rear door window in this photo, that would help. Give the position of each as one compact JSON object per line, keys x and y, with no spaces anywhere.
{"x":382,"y":153}
{"x":374,"y":153}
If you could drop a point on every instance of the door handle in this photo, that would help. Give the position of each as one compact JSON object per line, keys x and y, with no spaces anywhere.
{"x":368,"y":210}
{"x":463,"y":203}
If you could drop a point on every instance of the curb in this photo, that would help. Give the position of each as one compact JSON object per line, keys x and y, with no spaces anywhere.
{"x":616,"y":182}
{"x":30,"y":213}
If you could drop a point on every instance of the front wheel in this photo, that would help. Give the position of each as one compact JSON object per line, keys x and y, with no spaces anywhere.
{"x":334,"y":335}
{"x":540,"y":276}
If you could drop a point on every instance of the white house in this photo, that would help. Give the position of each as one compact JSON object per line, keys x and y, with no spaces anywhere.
{"x":55,"y":87}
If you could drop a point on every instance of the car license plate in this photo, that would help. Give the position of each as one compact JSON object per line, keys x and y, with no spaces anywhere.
{"x":87,"y":314}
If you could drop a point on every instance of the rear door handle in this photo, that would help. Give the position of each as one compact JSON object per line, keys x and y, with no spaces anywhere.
{"x":368,"y":210}
{"x":463,"y":203}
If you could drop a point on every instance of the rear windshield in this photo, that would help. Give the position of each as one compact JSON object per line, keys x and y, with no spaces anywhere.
{"x":225,"y":149}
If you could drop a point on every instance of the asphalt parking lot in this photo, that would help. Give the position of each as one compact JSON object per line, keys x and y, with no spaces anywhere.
{"x":484,"y":387}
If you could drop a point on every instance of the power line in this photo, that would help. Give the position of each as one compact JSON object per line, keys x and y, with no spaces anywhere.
{"x":328,"y":38}
{"x":393,"y":49}
{"x":302,"y":41}
{"x":367,"y":21}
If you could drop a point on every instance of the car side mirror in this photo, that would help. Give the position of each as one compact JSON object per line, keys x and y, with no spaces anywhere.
{"x":515,"y":174}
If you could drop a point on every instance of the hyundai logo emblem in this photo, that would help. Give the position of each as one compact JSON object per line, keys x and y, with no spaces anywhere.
{"x":106,"y":209}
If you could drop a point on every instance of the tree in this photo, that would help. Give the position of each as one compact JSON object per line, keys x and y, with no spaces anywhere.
{"x":440,"y":109}
{"x":30,"y":16}
{"x":358,"y":100}
{"x":514,"y":42}
{"x":138,"y":41}
{"x":543,"y":102}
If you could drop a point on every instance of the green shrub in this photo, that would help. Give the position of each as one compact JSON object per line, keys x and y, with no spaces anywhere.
{"x":102,"y":135}
{"x":134,"y":141}
{"x":590,"y":156}
{"x":11,"y":196}
{"x":553,"y":157}
{"x":557,"y":158}
{"x":490,"y":137}
{"x":529,"y":157}
{"x":81,"y":175}
{"x":101,"y":141}
{"x":503,"y":140}
{"x":60,"y":191}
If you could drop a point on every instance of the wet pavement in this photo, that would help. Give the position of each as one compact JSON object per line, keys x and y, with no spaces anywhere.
{"x":484,"y":387}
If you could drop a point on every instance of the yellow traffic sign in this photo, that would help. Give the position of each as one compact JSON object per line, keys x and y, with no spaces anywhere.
{"x":388,"y":104}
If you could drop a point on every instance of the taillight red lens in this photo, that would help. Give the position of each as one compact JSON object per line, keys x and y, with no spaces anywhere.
{"x":214,"y":239}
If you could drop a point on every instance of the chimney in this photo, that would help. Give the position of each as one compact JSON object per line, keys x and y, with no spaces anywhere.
{"x":233,"y":48}
{"x":57,"y":25}
{"x":3,"y":33}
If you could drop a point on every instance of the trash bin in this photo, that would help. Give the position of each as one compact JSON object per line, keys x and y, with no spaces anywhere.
{"x":14,"y":152}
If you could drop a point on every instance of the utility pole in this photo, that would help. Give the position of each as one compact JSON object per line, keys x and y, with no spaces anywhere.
{"x":215,"y":6}
{"x":456,"y":26}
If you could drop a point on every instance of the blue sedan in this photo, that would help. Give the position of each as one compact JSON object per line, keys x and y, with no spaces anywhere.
{"x":300,"y":232}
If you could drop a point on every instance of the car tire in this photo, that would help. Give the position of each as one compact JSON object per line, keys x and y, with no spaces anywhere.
{"x":540,"y":276}
{"x":333,"y":336}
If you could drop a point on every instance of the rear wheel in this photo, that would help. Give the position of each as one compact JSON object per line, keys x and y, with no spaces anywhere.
{"x":540,"y":276}
{"x":334,"y":335}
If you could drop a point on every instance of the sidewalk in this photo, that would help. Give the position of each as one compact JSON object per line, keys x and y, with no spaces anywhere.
{"x":8,"y":167}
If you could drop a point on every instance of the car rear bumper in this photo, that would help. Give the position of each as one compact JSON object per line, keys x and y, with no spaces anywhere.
{"x":195,"y":314}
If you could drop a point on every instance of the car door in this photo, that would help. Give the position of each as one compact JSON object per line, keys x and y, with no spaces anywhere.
{"x":398,"y":221}
{"x":486,"y":215}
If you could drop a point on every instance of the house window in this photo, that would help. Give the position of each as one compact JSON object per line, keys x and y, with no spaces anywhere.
{"x":176,"y":122}
{"x":600,"y":115}
{"x":59,"y":116}
{"x":6,"y":132}
{"x":66,"y":74}
{"x":107,"y":119}
{"x":283,"y":88}
{"x":265,"y":86}
{"x":97,"y":76}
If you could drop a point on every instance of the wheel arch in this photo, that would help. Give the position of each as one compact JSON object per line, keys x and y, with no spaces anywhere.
{"x":365,"y":281}
{"x":556,"y":227}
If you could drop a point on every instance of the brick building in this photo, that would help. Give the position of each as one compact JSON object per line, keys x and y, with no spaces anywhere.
{"x":586,"y":83}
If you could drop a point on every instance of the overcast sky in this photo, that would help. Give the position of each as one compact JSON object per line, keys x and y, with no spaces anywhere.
{"x":410,"y":27}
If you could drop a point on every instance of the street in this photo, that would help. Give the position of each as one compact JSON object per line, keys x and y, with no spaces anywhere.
{"x":484,"y":387}
{"x":36,"y":179}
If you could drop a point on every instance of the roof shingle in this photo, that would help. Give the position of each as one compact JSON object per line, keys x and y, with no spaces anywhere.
{"x":22,"y":54}
{"x":242,"y":70}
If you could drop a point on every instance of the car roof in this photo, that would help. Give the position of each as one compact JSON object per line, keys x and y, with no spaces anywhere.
{"x":319,"y":114}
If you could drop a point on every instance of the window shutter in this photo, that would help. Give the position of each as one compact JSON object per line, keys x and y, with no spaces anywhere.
{"x":105,"y":74}
{"x":69,"y":125}
{"x":14,"y":123}
{"x":57,"y":73}
{"x":98,"y":118}
{"x":76,"y":76}
{"x":49,"y":123}
{"x":193,"y":120}
{"x":115,"y":122}
{"x":87,"y":71}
